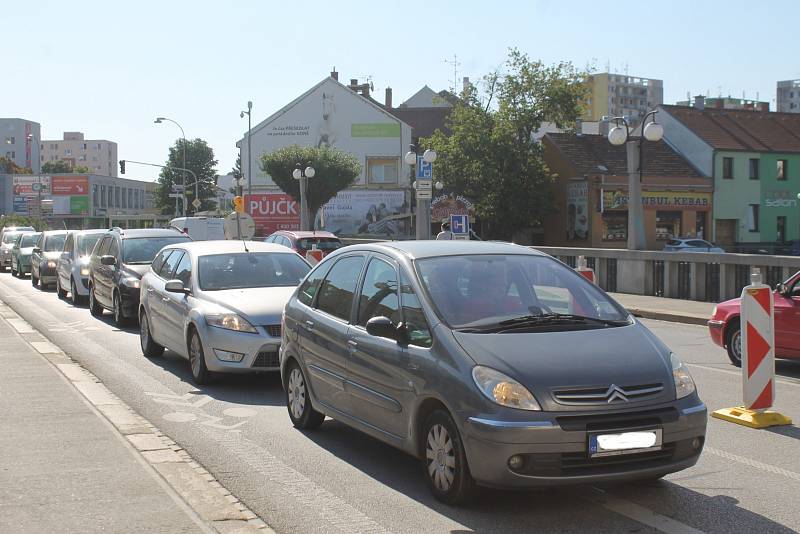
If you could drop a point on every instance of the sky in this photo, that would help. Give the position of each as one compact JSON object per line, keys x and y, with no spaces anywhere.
{"x":108,"y":69}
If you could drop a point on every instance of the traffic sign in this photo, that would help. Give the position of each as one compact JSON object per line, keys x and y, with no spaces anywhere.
{"x":247,"y":226}
{"x":176,"y":195}
{"x":177,"y":188}
{"x":424,"y":170}
{"x":196,"y":203}
{"x":424,"y":189}
{"x":459,"y":224}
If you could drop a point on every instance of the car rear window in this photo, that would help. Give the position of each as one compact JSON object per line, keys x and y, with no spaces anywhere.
{"x":54,"y":243}
{"x":8,"y":238}
{"x":28,"y":240}
{"x":323,"y":243}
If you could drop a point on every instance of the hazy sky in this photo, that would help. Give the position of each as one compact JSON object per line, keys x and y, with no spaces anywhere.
{"x":108,"y":68}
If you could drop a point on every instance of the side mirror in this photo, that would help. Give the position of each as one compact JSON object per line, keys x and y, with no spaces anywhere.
{"x":175,"y":286}
{"x":108,"y":260}
{"x":37,"y":250}
{"x":781,"y":288}
{"x":384,"y":327}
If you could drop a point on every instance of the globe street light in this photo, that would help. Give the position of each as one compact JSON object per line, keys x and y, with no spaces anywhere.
{"x":618,"y":136}
{"x":249,"y":155}
{"x":160,"y":120}
{"x":303,"y":175}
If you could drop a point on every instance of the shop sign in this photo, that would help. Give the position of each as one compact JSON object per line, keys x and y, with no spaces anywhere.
{"x":447,"y":204}
{"x":70,"y":185}
{"x":273,"y":211}
{"x":30,"y":185}
{"x":780,"y":199}
{"x":659,"y":200}
{"x":577,"y":208}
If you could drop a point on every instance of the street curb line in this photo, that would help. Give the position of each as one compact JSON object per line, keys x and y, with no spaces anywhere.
{"x":213,"y":505}
{"x":667,"y":316}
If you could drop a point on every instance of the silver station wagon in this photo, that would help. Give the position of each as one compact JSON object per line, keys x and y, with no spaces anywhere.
{"x":494,"y":364}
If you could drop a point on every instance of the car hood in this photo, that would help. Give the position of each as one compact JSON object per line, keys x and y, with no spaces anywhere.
{"x":259,"y":305}
{"x":552,"y":361}
{"x":52,"y":255}
{"x":27,"y":251}
{"x":137,"y":270}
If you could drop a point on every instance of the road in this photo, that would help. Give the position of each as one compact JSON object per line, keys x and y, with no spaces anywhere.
{"x":336,"y":479}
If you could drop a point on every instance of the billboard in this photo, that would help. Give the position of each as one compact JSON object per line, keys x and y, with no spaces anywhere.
{"x":273,"y":211}
{"x":446,"y":204}
{"x":577,"y":211}
{"x":29,"y":185}
{"x":377,"y":212}
{"x":70,"y":185}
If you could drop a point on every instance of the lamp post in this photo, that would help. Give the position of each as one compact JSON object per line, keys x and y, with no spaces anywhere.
{"x":618,"y":136}
{"x":249,"y":155}
{"x":159,"y":120}
{"x":303,"y":175}
{"x":39,"y":174}
{"x":423,"y":187}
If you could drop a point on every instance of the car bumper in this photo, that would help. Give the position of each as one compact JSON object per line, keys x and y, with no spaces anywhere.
{"x":716,"y":330}
{"x":5,"y":260}
{"x":47,"y":275}
{"x":129,"y":300}
{"x":83,"y":287}
{"x":260,"y":351}
{"x":24,"y":265}
{"x":555,"y":449}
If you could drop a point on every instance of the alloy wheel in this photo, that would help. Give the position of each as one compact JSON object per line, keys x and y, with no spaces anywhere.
{"x":144,"y":332}
{"x":195,"y":354}
{"x":73,"y":289}
{"x":441,"y":457}
{"x":297,"y":393}
{"x":736,"y":345}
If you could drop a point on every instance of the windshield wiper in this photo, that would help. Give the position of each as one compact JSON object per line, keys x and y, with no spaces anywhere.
{"x":541,"y":319}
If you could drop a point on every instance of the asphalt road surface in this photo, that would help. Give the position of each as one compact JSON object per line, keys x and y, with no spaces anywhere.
{"x":338,"y":480}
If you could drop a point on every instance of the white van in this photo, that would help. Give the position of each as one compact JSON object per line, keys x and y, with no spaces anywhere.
{"x":200,"y":228}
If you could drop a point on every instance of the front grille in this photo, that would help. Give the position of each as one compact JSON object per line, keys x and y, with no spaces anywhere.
{"x":274,"y":330}
{"x":570,"y":464}
{"x":617,"y":420}
{"x":266,"y":359}
{"x":612,"y":394}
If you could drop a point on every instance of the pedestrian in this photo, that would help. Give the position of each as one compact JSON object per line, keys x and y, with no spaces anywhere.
{"x":445,"y":234}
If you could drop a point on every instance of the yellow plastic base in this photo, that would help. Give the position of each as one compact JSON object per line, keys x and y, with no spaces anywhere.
{"x":750,"y":418}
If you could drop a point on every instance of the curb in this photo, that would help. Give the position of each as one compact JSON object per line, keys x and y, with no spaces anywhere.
{"x":214,"y":505}
{"x":667,"y":316}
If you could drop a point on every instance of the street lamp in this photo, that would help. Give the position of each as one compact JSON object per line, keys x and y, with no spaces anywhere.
{"x":303,"y":175}
{"x":31,"y":137}
{"x":160,"y":120}
{"x":423,"y":227}
{"x":249,"y":155}
{"x":618,"y":136}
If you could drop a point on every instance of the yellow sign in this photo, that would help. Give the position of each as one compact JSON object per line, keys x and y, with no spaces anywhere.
{"x":659,"y":200}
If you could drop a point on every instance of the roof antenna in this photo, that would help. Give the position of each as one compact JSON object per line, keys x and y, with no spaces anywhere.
{"x":239,"y":231}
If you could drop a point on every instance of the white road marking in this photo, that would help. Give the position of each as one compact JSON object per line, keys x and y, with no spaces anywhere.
{"x":753,"y":463}
{"x":646,"y":516}
{"x":21,"y":326}
{"x":778,"y":380}
{"x":180,"y":400}
{"x":45,"y":347}
{"x":240,"y":412}
{"x":180,"y":417}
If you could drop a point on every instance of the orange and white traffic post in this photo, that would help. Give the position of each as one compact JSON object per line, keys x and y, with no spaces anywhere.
{"x":583,"y":268}
{"x":314,"y":256}
{"x":758,"y":359}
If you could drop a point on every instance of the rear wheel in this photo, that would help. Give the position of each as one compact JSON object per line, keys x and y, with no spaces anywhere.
{"x":197,"y":359}
{"x":301,"y":412}
{"x":34,"y":279}
{"x":733,"y":342}
{"x":150,"y":348}
{"x":14,"y":271}
{"x":445,"y":461}
{"x":94,"y":307}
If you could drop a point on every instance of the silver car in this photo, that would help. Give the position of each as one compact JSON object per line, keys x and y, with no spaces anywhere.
{"x":493,"y":363}
{"x":44,"y":257}
{"x":680,"y":244}
{"x":219,"y":304}
{"x":72,"y":271}
{"x":7,"y":236}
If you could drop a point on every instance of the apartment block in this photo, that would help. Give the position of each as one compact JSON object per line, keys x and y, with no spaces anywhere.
{"x":789,"y":96}
{"x":100,"y":155}
{"x":620,"y":95}
{"x":19,"y":142}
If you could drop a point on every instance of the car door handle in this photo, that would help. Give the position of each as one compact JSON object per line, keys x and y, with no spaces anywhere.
{"x":310,"y":325}
{"x":150,"y":289}
{"x":165,"y":299}
{"x":352,"y":346}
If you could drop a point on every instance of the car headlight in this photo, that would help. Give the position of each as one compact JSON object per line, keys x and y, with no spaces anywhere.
{"x":84,"y":271}
{"x":503,"y":390}
{"x":131,"y":282}
{"x":230,"y":321}
{"x":51,"y":264}
{"x":684,"y":385}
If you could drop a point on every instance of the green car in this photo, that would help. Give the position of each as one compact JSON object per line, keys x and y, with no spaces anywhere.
{"x":21,"y":253}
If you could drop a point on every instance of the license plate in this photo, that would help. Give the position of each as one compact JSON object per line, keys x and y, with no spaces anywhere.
{"x":632,"y":442}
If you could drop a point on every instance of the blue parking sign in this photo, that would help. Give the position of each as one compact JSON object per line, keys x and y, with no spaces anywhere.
{"x":459,"y":224}
{"x":424,"y":170}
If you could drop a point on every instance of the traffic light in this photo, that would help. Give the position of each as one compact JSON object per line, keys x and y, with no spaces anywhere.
{"x":238,"y":204}
{"x":122,"y":166}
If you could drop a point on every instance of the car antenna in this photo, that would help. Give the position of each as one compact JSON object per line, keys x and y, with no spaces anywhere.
{"x":239,"y":231}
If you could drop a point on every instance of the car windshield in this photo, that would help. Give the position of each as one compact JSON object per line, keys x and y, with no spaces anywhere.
{"x":673,"y":242}
{"x":9,"y":237}
{"x":86,"y":243}
{"x":323,"y":243}
{"x":54,"y":242}
{"x":28,"y":240}
{"x":142,"y":250}
{"x":250,"y":269}
{"x":490,"y":288}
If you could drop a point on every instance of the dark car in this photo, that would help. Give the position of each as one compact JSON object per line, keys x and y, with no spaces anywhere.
{"x":492,"y":363}
{"x":116,"y":267}
{"x":302,"y":242}
{"x":44,"y":258}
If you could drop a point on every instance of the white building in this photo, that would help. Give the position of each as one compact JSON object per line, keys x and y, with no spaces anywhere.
{"x":19,"y":140}
{"x":789,"y":96}
{"x":100,"y":155}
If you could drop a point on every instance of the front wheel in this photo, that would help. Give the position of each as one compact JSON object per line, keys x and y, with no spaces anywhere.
{"x":73,"y":290}
{"x":445,"y":461}
{"x":301,"y":412}
{"x":733,"y":343}
{"x":34,"y":280}
{"x":197,"y":360}
{"x":150,"y":348}
{"x":119,"y":316}
{"x":62,"y":293}
{"x":94,"y":307}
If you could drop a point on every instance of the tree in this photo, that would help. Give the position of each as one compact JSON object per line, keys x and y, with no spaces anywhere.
{"x":335,"y":170}
{"x":200,"y":160}
{"x":82,"y":169}
{"x":21,"y":220}
{"x":491,"y":155}
{"x":56,"y":167}
{"x":9,"y":167}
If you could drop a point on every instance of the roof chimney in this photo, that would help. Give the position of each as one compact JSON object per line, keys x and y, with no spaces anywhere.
{"x":353,"y":82}
{"x":465,"y":84}
{"x":700,"y":102}
{"x":763,"y":106}
{"x":604,"y":125}
{"x":388,"y":99}
{"x":334,"y":74}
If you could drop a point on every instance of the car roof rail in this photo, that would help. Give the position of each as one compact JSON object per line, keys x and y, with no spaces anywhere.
{"x":116,"y":229}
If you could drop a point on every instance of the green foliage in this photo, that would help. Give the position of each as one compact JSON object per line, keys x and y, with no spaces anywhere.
{"x":200,"y":160}
{"x":491,"y":156}
{"x":81,"y":169}
{"x":335,"y":170}
{"x":236,"y":171}
{"x":9,"y":167}
{"x":21,"y":220}
{"x":56,"y":167}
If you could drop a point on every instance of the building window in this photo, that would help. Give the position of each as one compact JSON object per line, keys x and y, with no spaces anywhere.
{"x":67,"y":151}
{"x":98,"y":146}
{"x":10,"y":141}
{"x":124,"y":198}
{"x":84,"y":146}
{"x":53,"y":146}
{"x":783,"y":169}
{"x":615,"y":226}
{"x":382,"y":170}
{"x":130,"y":199}
{"x":94,"y":196}
{"x":11,"y":154}
{"x":780,"y":234}
{"x":752,"y":218}
{"x":754,"y":168}
{"x":727,"y":168}
{"x":668,"y":224}
{"x":103,"y":202}
{"x":82,"y":157}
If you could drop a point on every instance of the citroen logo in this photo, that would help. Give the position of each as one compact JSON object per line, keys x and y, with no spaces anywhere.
{"x":615,"y":392}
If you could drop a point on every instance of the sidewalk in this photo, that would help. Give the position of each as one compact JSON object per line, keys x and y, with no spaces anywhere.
{"x":664,"y":309}
{"x":63,"y":468}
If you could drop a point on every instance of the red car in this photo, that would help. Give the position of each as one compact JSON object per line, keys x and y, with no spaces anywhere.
{"x":726,"y":332}
{"x":301,"y":242}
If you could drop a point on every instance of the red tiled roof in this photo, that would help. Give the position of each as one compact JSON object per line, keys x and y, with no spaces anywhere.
{"x":727,"y":129}
{"x":424,"y":121}
{"x":587,"y":153}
